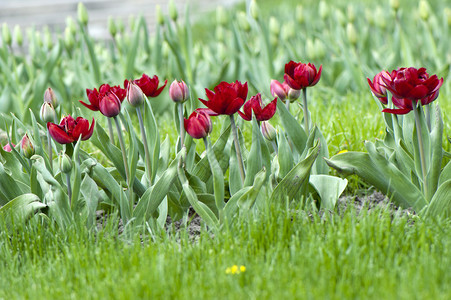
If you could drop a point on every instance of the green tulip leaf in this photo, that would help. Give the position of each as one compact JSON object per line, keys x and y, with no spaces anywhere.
{"x":329,"y":189}
{"x":445,"y":174}
{"x":254,"y":160}
{"x":91,"y":197}
{"x":285,"y":157}
{"x":433,"y":174}
{"x":295,"y":132}
{"x":440,"y":205}
{"x":21,"y":207}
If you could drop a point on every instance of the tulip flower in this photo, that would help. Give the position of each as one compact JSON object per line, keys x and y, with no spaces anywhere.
{"x":299,"y":76}
{"x":148,"y":85}
{"x":377,"y":86}
{"x":48,"y":113}
{"x":227,"y":98}
{"x":95,"y":96}
{"x":109,"y":105}
{"x":199,"y":124}
{"x":135,"y":95}
{"x":70,"y":129}
{"x":409,"y":85}
{"x":178,"y":91}
{"x":283,"y":91}
{"x":26,"y":147}
{"x":50,"y":97}
{"x":261,"y":113}
{"x":7,"y":147}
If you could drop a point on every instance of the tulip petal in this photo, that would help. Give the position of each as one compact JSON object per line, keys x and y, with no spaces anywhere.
{"x":402,"y":111}
{"x":234,"y":106}
{"x":59,"y":135}
{"x":267,"y":112}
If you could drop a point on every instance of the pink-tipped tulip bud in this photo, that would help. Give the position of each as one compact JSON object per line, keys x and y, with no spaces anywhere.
{"x":135,"y":95}
{"x":268,"y":131}
{"x":109,"y":105}
{"x":178,"y":91}
{"x":293,"y":94}
{"x":26,"y":147}
{"x":7,"y":147}
{"x":65,"y":163}
{"x":279,"y":89}
{"x":198,"y":125}
{"x":48,"y":113}
{"x":49,"y":96}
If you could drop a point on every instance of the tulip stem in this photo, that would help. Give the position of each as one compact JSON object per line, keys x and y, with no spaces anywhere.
{"x":274,"y":145}
{"x":427,"y":111}
{"x":182,"y":127}
{"x":287,"y":104}
{"x":421,"y":148}
{"x":146,"y":147}
{"x":237,"y":148}
{"x":110,"y":130}
{"x":124,"y":157}
{"x":306,"y":117}
{"x":49,"y":142}
{"x":69,"y":189}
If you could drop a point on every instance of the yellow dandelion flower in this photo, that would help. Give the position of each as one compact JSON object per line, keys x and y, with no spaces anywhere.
{"x":235,"y":269}
{"x":342,"y":151}
{"x":242,"y":269}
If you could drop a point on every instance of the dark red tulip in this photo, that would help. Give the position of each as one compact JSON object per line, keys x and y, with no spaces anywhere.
{"x":377,"y":86}
{"x":299,"y":76}
{"x":198,"y":125}
{"x":70,"y":129}
{"x":227,"y":98}
{"x":95,"y":96}
{"x":261,"y":113}
{"x":109,"y":105}
{"x":7,"y":147}
{"x":148,"y":85}
{"x":409,"y":85}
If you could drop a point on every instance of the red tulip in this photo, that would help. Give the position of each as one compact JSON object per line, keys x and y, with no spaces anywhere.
{"x":409,"y":85}
{"x":69,"y":130}
{"x":198,"y":125}
{"x":261,"y":113}
{"x":148,"y":85}
{"x":283,"y":91}
{"x":7,"y":147}
{"x":377,"y":86}
{"x":109,"y":105}
{"x":227,"y":98}
{"x":95,"y":96}
{"x":299,"y":76}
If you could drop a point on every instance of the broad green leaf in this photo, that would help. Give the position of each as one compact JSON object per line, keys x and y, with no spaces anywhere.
{"x":247,"y":200}
{"x":435,"y":165}
{"x":329,"y":189}
{"x":91,"y":196}
{"x":254,"y":160}
{"x":218,"y":176}
{"x":445,"y":174}
{"x":285,"y":156}
{"x":292,"y":182}
{"x":294,"y":130}
{"x":235,"y":183}
{"x":9,"y":186}
{"x":440,"y":205}
{"x":320,"y":166}
{"x":21,"y":207}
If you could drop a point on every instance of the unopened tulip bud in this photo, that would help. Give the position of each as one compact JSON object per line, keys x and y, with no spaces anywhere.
{"x":18,"y":35}
{"x":48,"y":38}
{"x":274,"y":26}
{"x":287,"y":31}
{"x":7,"y":147}
{"x":221,"y":16}
{"x":323,"y":10}
{"x":394,"y":4}
{"x":120,"y":26}
{"x":69,"y":40}
{"x":268,"y":131}
{"x":50,"y":97}
{"x":339,"y":15}
{"x":424,"y":9}
{"x":351,"y":33}
{"x":26,"y":147}
{"x":6,"y":34}
{"x":178,"y":91}
{"x":300,"y":14}
{"x":159,"y":15}
{"x":173,"y":14}
{"x":112,"y":26}
{"x":65,"y":163}
{"x":48,"y":113}
{"x":254,"y":9}
{"x":380,"y":18}
{"x":70,"y":23}
{"x":219,"y":33}
{"x":310,"y":49}
{"x":165,"y":49}
{"x":279,"y":89}
{"x":243,"y":21}
{"x":82,"y":14}
{"x":221,"y":48}
{"x":293,"y":95}
{"x":135,"y":95}
{"x":350,"y":13}
{"x":320,"y":48}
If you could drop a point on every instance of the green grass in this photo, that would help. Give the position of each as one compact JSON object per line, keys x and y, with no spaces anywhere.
{"x":287,"y":254}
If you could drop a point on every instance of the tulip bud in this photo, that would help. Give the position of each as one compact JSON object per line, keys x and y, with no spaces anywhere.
{"x":310,"y":49}
{"x":26,"y":147}
{"x":159,"y":15}
{"x":221,"y":16}
{"x":320,"y":48}
{"x":424,"y":10}
{"x":132,"y":22}
{"x":369,"y":16}
{"x":293,"y":95}
{"x":178,"y":91}
{"x":49,"y":96}
{"x":199,"y":124}
{"x":350,"y":13}
{"x":48,"y":38}
{"x":380,"y":18}
{"x":278,"y":90}
{"x":300,"y":14}
{"x":221,"y":51}
{"x":18,"y":35}
{"x":323,"y":10}
{"x":7,"y":147}
{"x":274,"y":26}
{"x":219,"y":33}
{"x":287,"y":31}
{"x":65,"y":163}
{"x":394,"y":4}
{"x":341,"y":19}
{"x":120,"y":25}
{"x":6,"y":34}
{"x":48,"y":113}
{"x":112,"y":26}
{"x":254,"y":9}
{"x":135,"y":95}
{"x":173,"y":14}
{"x":351,"y":33}
{"x":69,"y":40}
{"x":165,"y":49}
{"x":70,"y":23}
{"x":38,"y":38}
{"x":243,"y":22}
{"x":268,"y":131}
{"x":109,"y":105}
{"x":82,"y":14}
